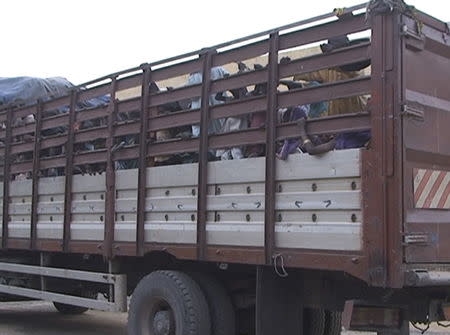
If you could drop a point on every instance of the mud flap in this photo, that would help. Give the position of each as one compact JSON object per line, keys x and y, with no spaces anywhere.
{"x":278,"y":304}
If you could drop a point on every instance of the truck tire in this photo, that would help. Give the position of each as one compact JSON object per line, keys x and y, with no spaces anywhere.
{"x":69,"y":309}
{"x":314,"y":321}
{"x":168,"y":302}
{"x":75,"y":310}
{"x":333,"y":323}
{"x":221,"y":310}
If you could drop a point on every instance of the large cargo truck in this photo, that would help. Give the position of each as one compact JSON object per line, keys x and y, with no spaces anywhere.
{"x":125,"y":200}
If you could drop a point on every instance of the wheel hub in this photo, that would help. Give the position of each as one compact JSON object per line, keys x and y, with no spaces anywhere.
{"x":162,"y":323}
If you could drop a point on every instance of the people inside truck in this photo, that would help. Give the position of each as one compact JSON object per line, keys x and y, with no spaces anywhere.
{"x":304,"y":143}
{"x":340,"y":106}
{"x":169,"y":133}
{"x":215,"y":126}
{"x":258,"y":119}
{"x":234,"y":123}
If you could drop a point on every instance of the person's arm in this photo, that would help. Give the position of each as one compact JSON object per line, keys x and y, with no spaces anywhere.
{"x":321,"y":76}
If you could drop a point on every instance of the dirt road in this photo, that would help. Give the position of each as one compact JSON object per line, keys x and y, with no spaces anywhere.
{"x":40,"y":318}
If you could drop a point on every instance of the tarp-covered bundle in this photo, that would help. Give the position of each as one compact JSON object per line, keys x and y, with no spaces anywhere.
{"x":27,"y":90}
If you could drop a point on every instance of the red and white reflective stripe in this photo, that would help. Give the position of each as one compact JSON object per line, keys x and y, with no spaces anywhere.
{"x":431,"y":189}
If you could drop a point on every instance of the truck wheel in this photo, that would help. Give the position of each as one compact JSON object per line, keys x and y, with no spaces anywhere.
{"x":75,"y":310}
{"x":221,"y":310}
{"x":333,"y":323}
{"x":168,"y":303}
{"x":69,"y":309}
{"x":314,"y":321}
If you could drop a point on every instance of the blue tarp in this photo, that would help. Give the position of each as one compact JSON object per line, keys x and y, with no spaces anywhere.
{"x":27,"y":90}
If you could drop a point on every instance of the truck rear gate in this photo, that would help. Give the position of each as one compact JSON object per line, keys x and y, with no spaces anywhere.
{"x":379,"y":214}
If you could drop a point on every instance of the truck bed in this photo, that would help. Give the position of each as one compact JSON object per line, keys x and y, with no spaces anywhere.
{"x":353,"y":211}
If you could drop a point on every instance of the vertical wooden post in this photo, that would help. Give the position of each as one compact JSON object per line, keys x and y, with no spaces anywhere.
{"x":142,"y":177}
{"x":271,"y":124}
{"x":203,"y":156}
{"x":7,"y":176}
{"x":110,"y":196}
{"x":35,"y":175}
{"x":69,"y":170}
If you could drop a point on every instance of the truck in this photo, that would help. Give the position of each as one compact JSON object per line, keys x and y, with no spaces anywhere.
{"x":357,"y":237}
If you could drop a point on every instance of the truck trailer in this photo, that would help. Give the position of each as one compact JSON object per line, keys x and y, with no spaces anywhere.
{"x":124,"y":200}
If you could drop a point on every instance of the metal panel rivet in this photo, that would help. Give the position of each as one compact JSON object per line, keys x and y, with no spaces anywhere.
{"x":167,"y":193}
{"x":249,"y":189}
{"x":218,"y":191}
{"x":84,"y":197}
{"x":314,"y":187}
{"x":247,"y":217}
{"x":280,"y":218}
{"x":51,"y":199}
{"x":354,"y":218}
{"x":353,"y":185}
{"x":51,"y":218}
{"x":23,"y":201}
{"x":193,"y":218}
{"x":218,"y":252}
{"x":217,"y":217}
{"x":101,"y":217}
{"x":355,"y":260}
{"x":102,"y":196}
{"x":280,"y":188}
{"x":166,"y":217}
{"x":193,"y":192}
{"x":122,"y":217}
{"x":314,"y":218}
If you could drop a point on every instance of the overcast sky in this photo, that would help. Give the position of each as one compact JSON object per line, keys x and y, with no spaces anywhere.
{"x":85,"y":39}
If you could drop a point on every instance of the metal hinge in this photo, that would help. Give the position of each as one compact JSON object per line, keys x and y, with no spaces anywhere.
{"x":416,"y":239}
{"x":414,"y":41}
{"x":413,"y":112}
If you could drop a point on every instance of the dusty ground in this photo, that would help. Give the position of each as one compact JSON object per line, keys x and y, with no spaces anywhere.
{"x":40,"y":318}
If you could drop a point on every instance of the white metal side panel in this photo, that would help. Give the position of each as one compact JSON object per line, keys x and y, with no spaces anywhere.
{"x":171,"y":204}
{"x":19,"y":225}
{"x":88,"y":208}
{"x":1,"y":208}
{"x":50,"y":208}
{"x":318,"y":204}
{"x":126,"y":205}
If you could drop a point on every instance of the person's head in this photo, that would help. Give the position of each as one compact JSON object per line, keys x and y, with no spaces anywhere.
{"x":335,"y":43}
{"x":340,"y":42}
